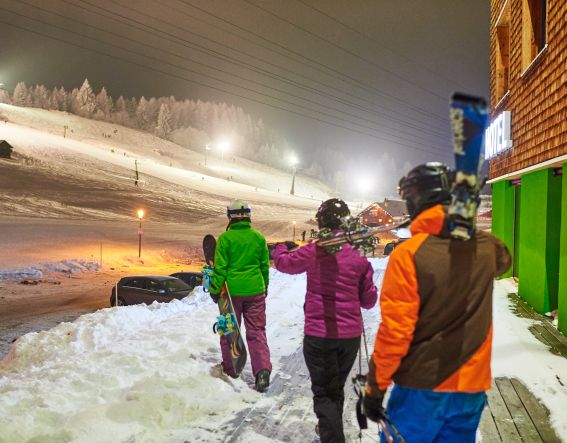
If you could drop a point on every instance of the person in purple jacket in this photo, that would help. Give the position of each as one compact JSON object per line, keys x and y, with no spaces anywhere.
{"x":338,"y":285}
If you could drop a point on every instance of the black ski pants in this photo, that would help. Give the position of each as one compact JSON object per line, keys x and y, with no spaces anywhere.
{"x":329,"y":362}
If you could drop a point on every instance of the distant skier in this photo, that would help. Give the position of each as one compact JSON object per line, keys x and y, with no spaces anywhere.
{"x":303,"y":236}
{"x":435,"y":339}
{"x":243,"y":262}
{"x":338,"y":285}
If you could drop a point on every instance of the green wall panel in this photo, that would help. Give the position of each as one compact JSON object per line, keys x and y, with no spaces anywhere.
{"x":562,"y":296}
{"x":538,"y":246}
{"x":503,"y":214}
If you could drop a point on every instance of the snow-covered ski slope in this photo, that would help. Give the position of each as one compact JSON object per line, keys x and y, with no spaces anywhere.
{"x":106,"y":153}
{"x":142,"y":373}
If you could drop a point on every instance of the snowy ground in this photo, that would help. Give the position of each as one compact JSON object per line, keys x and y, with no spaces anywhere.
{"x":139,"y":373}
{"x":142,"y":373}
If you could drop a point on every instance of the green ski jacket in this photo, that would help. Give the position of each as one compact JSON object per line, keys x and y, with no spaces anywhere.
{"x":242,"y":261}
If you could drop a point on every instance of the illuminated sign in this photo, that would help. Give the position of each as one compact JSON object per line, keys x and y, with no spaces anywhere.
{"x":498,"y":136}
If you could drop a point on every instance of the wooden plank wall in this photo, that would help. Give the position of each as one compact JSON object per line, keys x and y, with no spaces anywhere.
{"x":537,"y":98}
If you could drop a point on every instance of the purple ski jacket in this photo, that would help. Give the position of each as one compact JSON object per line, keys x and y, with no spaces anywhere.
{"x":338,"y":285}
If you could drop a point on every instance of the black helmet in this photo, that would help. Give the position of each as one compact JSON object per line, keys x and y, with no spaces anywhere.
{"x":330,"y":213}
{"x":425,"y":186}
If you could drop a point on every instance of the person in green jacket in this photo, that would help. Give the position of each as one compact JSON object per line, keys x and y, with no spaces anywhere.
{"x":242,"y":261}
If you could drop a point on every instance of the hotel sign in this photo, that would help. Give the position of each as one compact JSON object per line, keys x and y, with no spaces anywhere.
{"x":498,"y":136}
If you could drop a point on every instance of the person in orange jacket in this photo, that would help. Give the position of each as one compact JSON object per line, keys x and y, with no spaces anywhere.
{"x":435,"y":339}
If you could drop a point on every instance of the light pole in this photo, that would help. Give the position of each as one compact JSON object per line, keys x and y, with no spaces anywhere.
{"x":293,"y":161}
{"x":293,"y":237}
{"x":140,"y":232}
{"x":364,"y":186}
{"x":207,"y":148}
{"x":223,"y":146}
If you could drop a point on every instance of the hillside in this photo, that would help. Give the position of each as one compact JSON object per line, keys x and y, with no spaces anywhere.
{"x":71,"y":194}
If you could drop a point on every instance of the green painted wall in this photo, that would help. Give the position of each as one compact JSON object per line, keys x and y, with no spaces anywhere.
{"x":562,"y":296}
{"x":503,"y":214}
{"x":538,"y":246}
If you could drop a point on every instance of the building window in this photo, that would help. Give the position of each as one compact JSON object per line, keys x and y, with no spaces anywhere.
{"x":503,"y":52}
{"x":534,"y":30}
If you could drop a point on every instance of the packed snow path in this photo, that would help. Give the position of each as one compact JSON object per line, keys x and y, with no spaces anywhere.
{"x":143,"y":374}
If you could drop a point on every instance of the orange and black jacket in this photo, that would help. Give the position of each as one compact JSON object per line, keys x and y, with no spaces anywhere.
{"x":436,"y":306}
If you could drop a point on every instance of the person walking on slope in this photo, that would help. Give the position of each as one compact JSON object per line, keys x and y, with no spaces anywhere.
{"x":242,"y":262}
{"x":435,"y":339}
{"x":338,"y":285}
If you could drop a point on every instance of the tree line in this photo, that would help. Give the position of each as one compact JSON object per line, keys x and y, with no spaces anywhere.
{"x":197,"y":122}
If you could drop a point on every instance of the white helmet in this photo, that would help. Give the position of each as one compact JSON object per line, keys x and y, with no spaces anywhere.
{"x":238,"y":209}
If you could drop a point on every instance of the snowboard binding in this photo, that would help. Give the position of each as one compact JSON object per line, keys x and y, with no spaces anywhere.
{"x":225,"y":324}
{"x":208,"y":272}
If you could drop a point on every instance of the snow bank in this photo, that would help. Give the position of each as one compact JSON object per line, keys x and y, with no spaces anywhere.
{"x":21,"y":274}
{"x":63,"y":266}
{"x":137,"y":373}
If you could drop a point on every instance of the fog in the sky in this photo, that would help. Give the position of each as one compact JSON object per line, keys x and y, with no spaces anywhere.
{"x":357,"y":86}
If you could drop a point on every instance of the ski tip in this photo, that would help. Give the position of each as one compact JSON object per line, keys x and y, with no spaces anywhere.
{"x":468,"y":98}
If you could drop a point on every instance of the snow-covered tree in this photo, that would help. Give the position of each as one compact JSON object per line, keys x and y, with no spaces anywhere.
{"x":4,"y":96}
{"x":103,"y":104}
{"x":85,"y":100}
{"x":40,"y":97}
{"x":21,"y":95}
{"x":163,"y":127}
{"x":142,"y":113}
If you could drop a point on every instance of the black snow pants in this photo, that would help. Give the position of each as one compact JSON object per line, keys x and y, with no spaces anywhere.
{"x":329,"y":362}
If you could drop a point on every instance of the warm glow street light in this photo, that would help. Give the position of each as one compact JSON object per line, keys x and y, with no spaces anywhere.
{"x":140,"y":232}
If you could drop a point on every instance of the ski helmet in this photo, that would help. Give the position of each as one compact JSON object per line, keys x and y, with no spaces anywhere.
{"x":330,"y":213}
{"x":238,"y":209}
{"x":425,"y":186}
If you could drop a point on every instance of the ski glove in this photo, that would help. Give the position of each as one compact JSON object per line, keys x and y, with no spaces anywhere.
{"x":373,"y":409}
{"x":214,"y":297}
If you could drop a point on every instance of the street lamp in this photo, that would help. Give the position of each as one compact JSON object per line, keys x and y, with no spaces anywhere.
{"x":140,"y":232}
{"x":207,"y":148}
{"x":223,"y":146}
{"x":364,"y":183}
{"x":293,"y":161}
{"x":293,"y":237}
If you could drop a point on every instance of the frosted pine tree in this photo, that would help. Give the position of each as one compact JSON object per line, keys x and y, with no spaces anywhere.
{"x":21,"y":96}
{"x":85,"y":100}
{"x":163,"y":127}
{"x":4,"y":96}
{"x":103,"y":104}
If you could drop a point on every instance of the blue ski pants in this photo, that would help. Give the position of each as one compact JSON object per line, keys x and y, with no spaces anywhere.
{"x":423,"y":416}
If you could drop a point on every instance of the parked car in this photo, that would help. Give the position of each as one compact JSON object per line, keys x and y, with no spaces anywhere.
{"x":192,"y":279}
{"x":147,"y":289}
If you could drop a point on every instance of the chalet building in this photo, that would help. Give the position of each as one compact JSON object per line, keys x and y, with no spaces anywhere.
{"x":5,"y":149}
{"x":526,"y":144}
{"x":384,"y":213}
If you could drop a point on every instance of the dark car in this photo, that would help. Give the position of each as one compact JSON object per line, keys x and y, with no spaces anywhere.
{"x":147,"y":289}
{"x":192,"y":279}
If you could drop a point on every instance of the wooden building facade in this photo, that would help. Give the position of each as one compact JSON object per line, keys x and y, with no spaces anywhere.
{"x":527,"y":145}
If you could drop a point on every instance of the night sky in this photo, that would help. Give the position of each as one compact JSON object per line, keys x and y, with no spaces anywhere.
{"x":374,"y":75}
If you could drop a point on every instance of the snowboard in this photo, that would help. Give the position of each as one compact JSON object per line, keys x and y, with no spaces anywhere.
{"x":469,"y":116}
{"x":227,"y":324}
